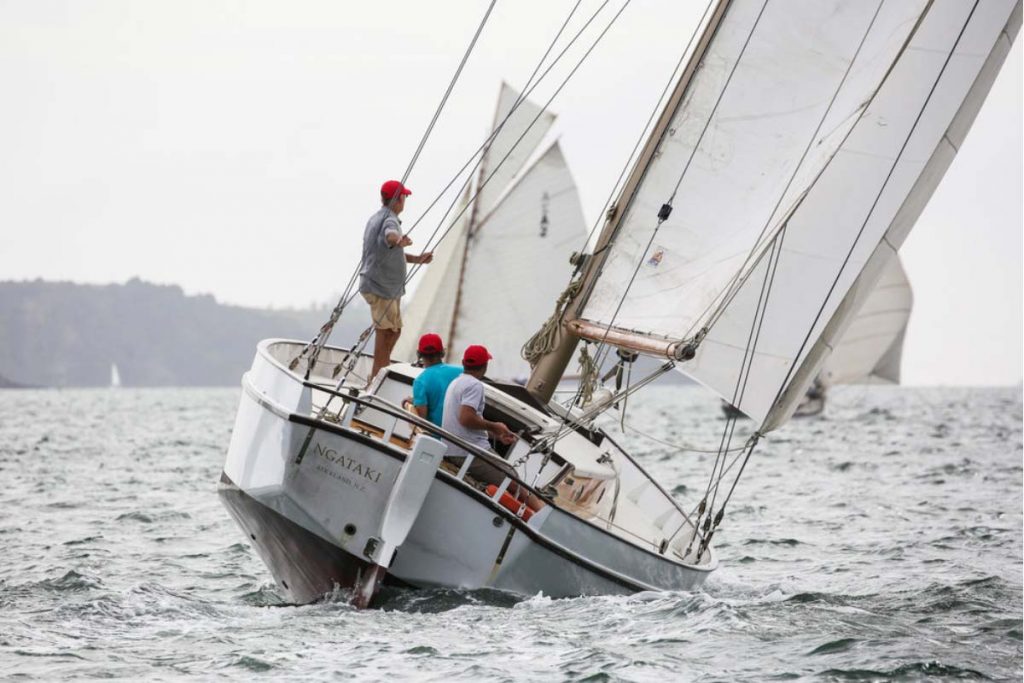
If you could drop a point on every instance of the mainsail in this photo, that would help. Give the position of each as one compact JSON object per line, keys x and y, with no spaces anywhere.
{"x":507,"y":258}
{"x":798,"y":150}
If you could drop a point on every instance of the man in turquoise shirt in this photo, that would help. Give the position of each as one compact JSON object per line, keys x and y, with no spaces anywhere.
{"x":429,"y":388}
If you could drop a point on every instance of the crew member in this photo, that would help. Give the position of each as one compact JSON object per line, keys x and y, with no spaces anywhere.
{"x":429,"y":388}
{"x":464,"y":417}
{"x":382,"y":277}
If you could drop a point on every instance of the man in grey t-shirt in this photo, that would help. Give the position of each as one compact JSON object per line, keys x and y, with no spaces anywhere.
{"x":464,"y":417}
{"x":464,"y":410}
{"x":382,"y":277}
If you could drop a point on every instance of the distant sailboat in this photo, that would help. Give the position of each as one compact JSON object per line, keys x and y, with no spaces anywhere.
{"x":507,"y":257}
{"x":115,"y":377}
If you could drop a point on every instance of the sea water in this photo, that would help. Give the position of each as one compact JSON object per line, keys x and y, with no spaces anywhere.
{"x":880,"y":541}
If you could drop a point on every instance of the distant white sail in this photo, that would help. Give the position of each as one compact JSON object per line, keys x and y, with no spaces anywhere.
{"x":115,"y":376}
{"x":800,"y":154}
{"x":518,"y":263}
{"x":499,"y":172}
{"x":494,"y":278}
{"x":872,"y":346}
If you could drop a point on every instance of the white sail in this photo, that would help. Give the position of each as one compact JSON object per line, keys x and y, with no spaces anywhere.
{"x":493,"y":279}
{"x":872,"y":345}
{"x":504,"y":158}
{"x":833,"y":119}
{"x":518,"y":263}
{"x":115,"y":376}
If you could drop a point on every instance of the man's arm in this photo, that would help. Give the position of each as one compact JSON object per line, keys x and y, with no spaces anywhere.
{"x":396,"y":239}
{"x":421,"y":411}
{"x":425,"y":257}
{"x":470,"y":419}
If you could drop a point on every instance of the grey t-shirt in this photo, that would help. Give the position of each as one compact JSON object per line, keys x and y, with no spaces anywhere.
{"x":383,"y":271}
{"x":465,"y":390}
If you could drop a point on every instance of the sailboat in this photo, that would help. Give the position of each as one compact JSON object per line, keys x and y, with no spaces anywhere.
{"x":796,"y":149}
{"x":526,"y":222}
{"x":115,"y":376}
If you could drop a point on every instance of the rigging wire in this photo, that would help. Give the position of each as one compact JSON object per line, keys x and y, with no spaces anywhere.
{"x":675,"y":446}
{"x":494,"y":133}
{"x":448,"y":92}
{"x":325,"y":330}
{"x":741,"y":384}
{"x":602,"y":346}
{"x":348,"y":295}
{"x":352,"y":354}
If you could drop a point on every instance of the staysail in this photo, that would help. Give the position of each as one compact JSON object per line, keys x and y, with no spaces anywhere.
{"x":507,"y":259}
{"x":794,"y":158}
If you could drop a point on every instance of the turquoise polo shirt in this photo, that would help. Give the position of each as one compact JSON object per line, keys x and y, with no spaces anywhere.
{"x":428,"y":389}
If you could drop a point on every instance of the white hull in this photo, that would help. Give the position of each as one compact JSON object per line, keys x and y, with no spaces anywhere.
{"x":314,"y":513}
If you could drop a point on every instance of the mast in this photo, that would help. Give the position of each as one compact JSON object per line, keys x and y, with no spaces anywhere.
{"x":462,"y":276}
{"x":470,"y":227}
{"x":552,"y":365}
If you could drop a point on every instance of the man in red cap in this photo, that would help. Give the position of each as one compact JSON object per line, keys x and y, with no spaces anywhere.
{"x":429,"y":388}
{"x":464,"y":406}
{"x":464,"y":417}
{"x":383,"y":272}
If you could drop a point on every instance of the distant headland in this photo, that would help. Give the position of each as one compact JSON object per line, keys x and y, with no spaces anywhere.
{"x":63,"y":334}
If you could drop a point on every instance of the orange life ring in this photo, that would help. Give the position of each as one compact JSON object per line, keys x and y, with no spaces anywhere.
{"x":509,"y":502}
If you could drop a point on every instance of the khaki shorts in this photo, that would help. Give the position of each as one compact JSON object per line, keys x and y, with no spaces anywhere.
{"x":386,"y":313}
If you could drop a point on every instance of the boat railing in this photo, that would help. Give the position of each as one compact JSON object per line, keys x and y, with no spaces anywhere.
{"x":399,"y":413}
{"x":500,"y":466}
{"x":685,"y":520}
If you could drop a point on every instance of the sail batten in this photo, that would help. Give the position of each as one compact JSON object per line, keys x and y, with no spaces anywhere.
{"x":828,"y":125}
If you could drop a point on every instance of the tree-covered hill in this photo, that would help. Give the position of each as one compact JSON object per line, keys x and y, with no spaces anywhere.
{"x":61,"y":334}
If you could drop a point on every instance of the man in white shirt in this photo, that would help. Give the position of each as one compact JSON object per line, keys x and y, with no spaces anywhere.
{"x":464,"y":405}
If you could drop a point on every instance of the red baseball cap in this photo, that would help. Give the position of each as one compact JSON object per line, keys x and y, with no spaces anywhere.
{"x":392,"y":188}
{"x":475,"y":356}
{"x":431,"y":343}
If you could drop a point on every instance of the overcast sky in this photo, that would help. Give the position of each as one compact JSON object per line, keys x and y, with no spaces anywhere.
{"x":236,"y":148}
